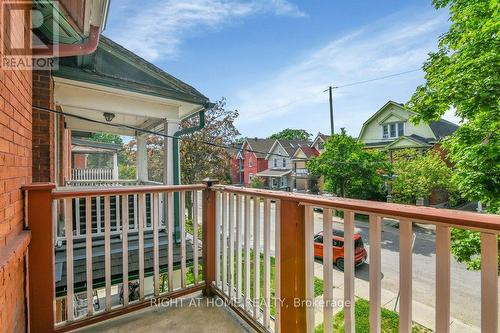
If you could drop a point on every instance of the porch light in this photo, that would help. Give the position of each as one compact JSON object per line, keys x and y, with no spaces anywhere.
{"x":109,"y":116}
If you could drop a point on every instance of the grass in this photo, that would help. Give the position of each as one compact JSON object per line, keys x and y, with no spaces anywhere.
{"x":390,"y":320}
{"x":318,"y":283}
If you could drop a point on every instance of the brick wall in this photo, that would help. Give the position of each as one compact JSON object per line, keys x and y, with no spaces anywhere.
{"x":15,"y":170}
{"x":43,"y":127}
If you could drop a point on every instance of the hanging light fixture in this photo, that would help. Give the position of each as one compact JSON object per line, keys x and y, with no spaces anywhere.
{"x":109,"y":116}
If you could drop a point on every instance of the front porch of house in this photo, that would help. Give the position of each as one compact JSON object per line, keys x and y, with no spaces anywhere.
{"x":221,"y":235}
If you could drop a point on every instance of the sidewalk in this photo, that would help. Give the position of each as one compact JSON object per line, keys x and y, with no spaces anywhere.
{"x":422,"y":314}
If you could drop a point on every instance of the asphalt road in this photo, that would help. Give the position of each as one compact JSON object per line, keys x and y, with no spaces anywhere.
{"x":465,"y":285}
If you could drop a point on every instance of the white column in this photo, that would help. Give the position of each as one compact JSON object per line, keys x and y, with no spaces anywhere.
{"x":171,"y":127}
{"x":142,"y":158}
{"x":115,"y":166}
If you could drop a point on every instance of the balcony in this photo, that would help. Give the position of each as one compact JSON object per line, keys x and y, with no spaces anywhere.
{"x":301,"y":172}
{"x":211,"y":248}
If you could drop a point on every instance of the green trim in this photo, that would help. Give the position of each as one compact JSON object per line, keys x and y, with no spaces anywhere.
{"x":177,"y":169}
{"x":401,"y":138}
{"x":76,"y":74}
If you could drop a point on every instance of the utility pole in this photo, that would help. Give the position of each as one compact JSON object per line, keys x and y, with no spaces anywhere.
{"x":331,"y":109}
{"x":330,"y":91}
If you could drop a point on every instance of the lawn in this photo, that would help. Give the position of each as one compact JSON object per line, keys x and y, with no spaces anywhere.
{"x":390,"y":320}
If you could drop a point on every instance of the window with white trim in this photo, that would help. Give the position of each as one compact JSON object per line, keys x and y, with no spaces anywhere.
{"x":393,"y":130}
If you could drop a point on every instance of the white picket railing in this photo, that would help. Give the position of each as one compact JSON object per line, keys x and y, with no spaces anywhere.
{"x":248,"y":237}
{"x":92,"y":174}
{"x":139,"y":232}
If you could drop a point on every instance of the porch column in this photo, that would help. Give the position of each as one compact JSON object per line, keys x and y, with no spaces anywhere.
{"x":115,"y":166}
{"x":142,"y":158}
{"x":170,"y":128}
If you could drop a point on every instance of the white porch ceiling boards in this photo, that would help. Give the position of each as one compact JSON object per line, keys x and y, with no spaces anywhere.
{"x":130,"y":108}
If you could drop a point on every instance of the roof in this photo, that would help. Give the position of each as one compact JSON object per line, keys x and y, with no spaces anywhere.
{"x":320,"y":136}
{"x":308,"y":151}
{"x":94,"y":146}
{"x":260,"y":146}
{"x":442,"y":128}
{"x":273,"y":173}
{"x":114,"y":66}
{"x":290,"y":146}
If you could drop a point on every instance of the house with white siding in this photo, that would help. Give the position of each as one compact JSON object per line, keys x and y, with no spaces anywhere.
{"x":278,"y":175}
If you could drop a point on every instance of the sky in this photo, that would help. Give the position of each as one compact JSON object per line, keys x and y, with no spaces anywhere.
{"x":273,"y":59}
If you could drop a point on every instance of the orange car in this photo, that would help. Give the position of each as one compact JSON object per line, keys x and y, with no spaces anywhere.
{"x":338,"y":248}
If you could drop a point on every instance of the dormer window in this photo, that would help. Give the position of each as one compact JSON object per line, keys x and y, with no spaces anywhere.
{"x":393,"y":130}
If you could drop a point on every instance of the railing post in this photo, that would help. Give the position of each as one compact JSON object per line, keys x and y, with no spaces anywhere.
{"x":292,"y":267}
{"x":40,"y":257}
{"x":209,"y":221}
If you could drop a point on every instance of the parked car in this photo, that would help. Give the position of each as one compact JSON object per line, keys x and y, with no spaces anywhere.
{"x":360,"y":253}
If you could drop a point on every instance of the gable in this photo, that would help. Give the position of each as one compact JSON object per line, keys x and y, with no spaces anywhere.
{"x":392,"y":117}
{"x":299,"y":154}
{"x":405,"y":142}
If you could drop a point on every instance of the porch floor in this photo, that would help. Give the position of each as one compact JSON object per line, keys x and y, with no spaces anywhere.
{"x":191,"y":314}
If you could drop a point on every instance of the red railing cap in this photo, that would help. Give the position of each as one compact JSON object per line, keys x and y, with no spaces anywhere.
{"x":38,"y":187}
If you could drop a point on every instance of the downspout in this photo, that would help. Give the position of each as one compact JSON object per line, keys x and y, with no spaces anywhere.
{"x":176,"y":162}
{"x":67,"y":50}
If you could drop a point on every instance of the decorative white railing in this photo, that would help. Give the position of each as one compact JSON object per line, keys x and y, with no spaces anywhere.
{"x":239,"y":217}
{"x":301,"y":172}
{"x":106,"y":256}
{"x":92,"y":174}
{"x":247,"y":235}
{"x":247,"y":225}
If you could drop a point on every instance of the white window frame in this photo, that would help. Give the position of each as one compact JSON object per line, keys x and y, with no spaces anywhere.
{"x":397,"y":127}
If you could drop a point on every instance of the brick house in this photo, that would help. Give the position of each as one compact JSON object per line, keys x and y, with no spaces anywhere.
{"x":251,"y":158}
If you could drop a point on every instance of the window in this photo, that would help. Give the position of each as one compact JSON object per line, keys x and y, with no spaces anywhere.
{"x":284,"y":163}
{"x":318,"y":239}
{"x":393,"y":130}
{"x":275,"y":162}
{"x":250,"y":162}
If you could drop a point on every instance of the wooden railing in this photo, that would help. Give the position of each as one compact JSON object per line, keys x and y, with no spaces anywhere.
{"x":289,"y":218}
{"x":101,"y":276}
{"x":92,"y":174}
{"x":249,"y":235}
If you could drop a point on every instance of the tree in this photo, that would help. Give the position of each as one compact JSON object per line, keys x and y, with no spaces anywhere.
{"x":418,"y":175}
{"x":200,"y":160}
{"x":463,"y":75}
{"x":291,"y":134}
{"x":257,"y":182}
{"x":349,"y":170}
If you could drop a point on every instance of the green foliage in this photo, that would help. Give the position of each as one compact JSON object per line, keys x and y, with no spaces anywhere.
{"x":199,"y":160}
{"x":107,"y":138}
{"x":349,"y":170}
{"x":257,"y":182}
{"x":101,"y":160}
{"x":291,"y":134}
{"x":127,"y":171}
{"x":318,"y":287}
{"x":466,"y":248}
{"x":463,"y":75}
{"x":390,"y":320}
{"x":418,"y":175}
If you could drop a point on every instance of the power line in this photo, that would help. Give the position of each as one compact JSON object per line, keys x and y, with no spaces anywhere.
{"x":337,"y":87}
{"x":138,"y":129}
{"x":375,"y":79}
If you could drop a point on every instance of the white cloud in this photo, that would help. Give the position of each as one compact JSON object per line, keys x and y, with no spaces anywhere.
{"x":390,"y":46}
{"x":159,"y":30}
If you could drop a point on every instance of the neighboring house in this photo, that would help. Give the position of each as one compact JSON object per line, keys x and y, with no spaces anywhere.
{"x":236,"y":166}
{"x":389,"y":129}
{"x":278,"y":174}
{"x":92,"y":160}
{"x":303,"y":181}
{"x":319,"y":142}
{"x":252,"y":158}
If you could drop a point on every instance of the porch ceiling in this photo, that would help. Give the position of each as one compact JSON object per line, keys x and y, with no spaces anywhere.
{"x":132,"y":109}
